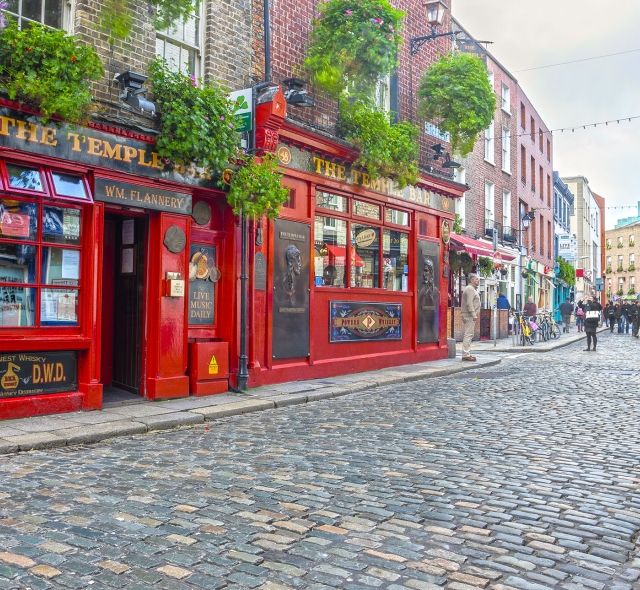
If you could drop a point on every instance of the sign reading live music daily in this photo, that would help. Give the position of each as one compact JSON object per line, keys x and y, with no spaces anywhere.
{"x":89,"y":146}
{"x":137,"y":195}
{"x":34,"y":373}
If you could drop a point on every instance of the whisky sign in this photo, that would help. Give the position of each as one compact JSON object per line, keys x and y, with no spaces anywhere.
{"x":34,"y":373}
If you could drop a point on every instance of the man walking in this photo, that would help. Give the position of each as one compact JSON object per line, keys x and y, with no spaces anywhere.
{"x":566,"y":309}
{"x":470,"y":312}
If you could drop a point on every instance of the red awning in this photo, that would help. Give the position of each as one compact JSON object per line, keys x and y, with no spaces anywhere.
{"x":478,"y":247}
{"x":338,"y":253}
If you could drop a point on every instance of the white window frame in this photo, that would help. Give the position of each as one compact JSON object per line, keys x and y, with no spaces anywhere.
{"x":489,"y":204}
{"x":505,"y":98}
{"x":383,"y":94}
{"x":66,"y":9}
{"x":506,"y":209}
{"x":506,"y":150}
{"x":165,"y":36}
{"x":489,"y":144}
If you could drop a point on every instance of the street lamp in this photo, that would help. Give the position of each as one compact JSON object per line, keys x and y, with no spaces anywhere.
{"x":525,"y":222}
{"x":435,"y":15}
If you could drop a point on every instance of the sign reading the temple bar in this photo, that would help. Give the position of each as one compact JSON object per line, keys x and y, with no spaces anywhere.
{"x":33,"y":373}
{"x":294,"y":157}
{"x":89,"y":146}
{"x":136,"y":195}
{"x":353,"y":321}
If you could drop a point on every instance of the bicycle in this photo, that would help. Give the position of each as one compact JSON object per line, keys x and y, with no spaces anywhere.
{"x":548,"y":326}
{"x":526,"y":333}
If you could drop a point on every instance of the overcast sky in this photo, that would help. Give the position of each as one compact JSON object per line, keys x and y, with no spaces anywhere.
{"x":530,"y":33}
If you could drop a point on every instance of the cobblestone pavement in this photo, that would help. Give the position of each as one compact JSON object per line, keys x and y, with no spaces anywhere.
{"x":525,"y":475}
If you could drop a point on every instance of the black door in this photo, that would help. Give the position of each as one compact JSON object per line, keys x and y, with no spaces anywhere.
{"x":131,"y":240}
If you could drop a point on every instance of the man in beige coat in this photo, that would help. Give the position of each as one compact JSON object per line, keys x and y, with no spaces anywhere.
{"x":470,"y":312}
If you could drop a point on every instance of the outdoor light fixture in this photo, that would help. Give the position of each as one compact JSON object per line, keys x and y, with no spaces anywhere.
{"x":438,"y":151}
{"x":449,"y":163}
{"x":435,"y":17}
{"x":295,"y":94}
{"x":133,"y":93}
{"x":527,"y":218}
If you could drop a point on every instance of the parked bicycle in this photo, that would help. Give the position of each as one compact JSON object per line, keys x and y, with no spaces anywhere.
{"x":525,"y":330}
{"x":548,"y":328}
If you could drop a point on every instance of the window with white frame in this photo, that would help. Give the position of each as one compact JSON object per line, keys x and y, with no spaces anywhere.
{"x":632,"y":259}
{"x":505,"y":97}
{"x":489,"y":144}
{"x":460,"y":175}
{"x":506,"y":210}
{"x":491,"y":78}
{"x":489,"y":204}
{"x":52,"y":13}
{"x":506,"y":150}
{"x":179,"y":45}
{"x":383,"y":94}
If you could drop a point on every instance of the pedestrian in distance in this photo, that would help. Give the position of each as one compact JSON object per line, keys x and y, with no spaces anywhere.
{"x":566,"y":309}
{"x":626,"y":319}
{"x":634,"y":313}
{"x":470,"y":313}
{"x":580,"y":316}
{"x":610,"y":314}
{"x":530,"y":308}
{"x":617,"y":311}
{"x":502,"y":302}
{"x":592,"y":310}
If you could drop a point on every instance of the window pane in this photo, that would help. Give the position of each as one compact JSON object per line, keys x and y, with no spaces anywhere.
{"x":395,"y":270}
{"x":12,"y":6}
{"x":59,"y":307}
{"x":396,"y":216}
{"x":61,"y":225}
{"x":27,"y":178}
{"x":191,"y":31}
{"x":32,"y":9}
{"x":333,"y":202}
{"x":69,"y":185}
{"x":18,"y":220}
{"x":60,"y":266}
{"x":17,"y":263}
{"x":365,"y":259}
{"x":330,"y":252}
{"x":17,"y":305}
{"x":363,"y":209}
{"x":53,"y":13}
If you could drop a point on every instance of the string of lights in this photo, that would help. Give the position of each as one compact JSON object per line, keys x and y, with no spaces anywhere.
{"x":584,"y":126}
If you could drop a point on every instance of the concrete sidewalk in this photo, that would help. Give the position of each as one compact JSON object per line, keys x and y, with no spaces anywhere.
{"x":45,"y":432}
{"x":506,"y":344}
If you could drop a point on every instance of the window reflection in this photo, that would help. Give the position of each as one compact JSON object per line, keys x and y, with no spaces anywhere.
{"x":395,"y":270}
{"x":330,"y":252}
{"x":365,"y":240}
{"x":61,"y":225}
{"x":68,"y":185}
{"x":18,"y":220}
{"x":26,"y":178}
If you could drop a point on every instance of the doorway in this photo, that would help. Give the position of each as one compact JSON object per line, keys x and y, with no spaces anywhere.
{"x":123,"y":281}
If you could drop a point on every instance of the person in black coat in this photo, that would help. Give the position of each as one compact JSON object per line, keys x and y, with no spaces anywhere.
{"x":592,"y":310}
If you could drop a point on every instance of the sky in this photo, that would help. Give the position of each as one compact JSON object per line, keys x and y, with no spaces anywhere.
{"x":531,"y":33}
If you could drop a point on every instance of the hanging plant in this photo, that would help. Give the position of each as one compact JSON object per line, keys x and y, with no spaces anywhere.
{"x":454,"y":261}
{"x":567,"y":272}
{"x":117,"y":16}
{"x":485,"y":266}
{"x":456,"y":95}
{"x":466,"y":262}
{"x":48,"y":69}
{"x":386,"y":149}
{"x":197,"y":124}
{"x":353,"y":43}
{"x":256,"y":188}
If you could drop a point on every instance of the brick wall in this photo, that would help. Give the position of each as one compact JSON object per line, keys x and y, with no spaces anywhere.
{"x":479,"y":170}
{"x":291,"y":25}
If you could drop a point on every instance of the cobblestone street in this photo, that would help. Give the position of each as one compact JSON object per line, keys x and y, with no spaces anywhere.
{"x":523,"y":475}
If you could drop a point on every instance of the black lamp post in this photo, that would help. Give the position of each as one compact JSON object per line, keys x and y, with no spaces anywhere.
{"x":435,"y":15}
{"x":525,"y":222}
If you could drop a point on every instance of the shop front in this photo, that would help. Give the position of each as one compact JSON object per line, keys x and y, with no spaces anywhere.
{"x":110,"y":280}
{"x":357,"y":270}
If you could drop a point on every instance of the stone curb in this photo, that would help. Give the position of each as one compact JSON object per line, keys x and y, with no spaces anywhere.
{"x":93,"y":433}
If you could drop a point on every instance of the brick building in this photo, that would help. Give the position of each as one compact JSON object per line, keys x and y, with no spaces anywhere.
{"x":622,"y":254}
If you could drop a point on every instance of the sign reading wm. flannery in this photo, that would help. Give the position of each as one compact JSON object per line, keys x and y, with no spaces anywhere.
{"x":294,"y":157}
{"x":137,"y":195}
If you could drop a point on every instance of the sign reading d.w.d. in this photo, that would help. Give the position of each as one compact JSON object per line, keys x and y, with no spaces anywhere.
{"x":34,"y":373}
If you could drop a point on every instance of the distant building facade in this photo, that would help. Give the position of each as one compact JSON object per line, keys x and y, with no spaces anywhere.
{"x":565,"y":245}
{"x":622,"y":253}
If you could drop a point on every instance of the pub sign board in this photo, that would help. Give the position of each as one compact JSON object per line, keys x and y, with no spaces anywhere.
{"x":355,"y":321}
{"x":202,"y":277}
{"x":138,"y":195}
{"x":35,"y":373}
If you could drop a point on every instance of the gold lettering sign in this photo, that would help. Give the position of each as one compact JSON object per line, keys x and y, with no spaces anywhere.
{"x":137,"y":195}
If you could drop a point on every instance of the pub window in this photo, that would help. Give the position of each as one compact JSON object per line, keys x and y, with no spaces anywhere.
{"x":395,"y":249}
{"x":331,"y":202}
{"x":330,"y":252}
{"x":69,"y":185}
{"x":364,"y":209}
{"x":24,"y":178}
{"x":365,"y":240}
{"x":396,"y":217}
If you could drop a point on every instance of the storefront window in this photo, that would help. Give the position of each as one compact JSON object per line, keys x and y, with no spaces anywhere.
{"x":24,"y":178}
{"x":330,"y":252}
{"x":364,"y":209}
{"x":39,"y":246}
{"x":331,"y":202}
{"x":396,"y":217}
{"x":365,"y":241}
{"x":69,"y":185}
{"x":395,"y":269}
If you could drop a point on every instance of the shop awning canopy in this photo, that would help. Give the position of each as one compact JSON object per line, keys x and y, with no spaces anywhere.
{"x":338,"y":253}
{"x":478,"y":247}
